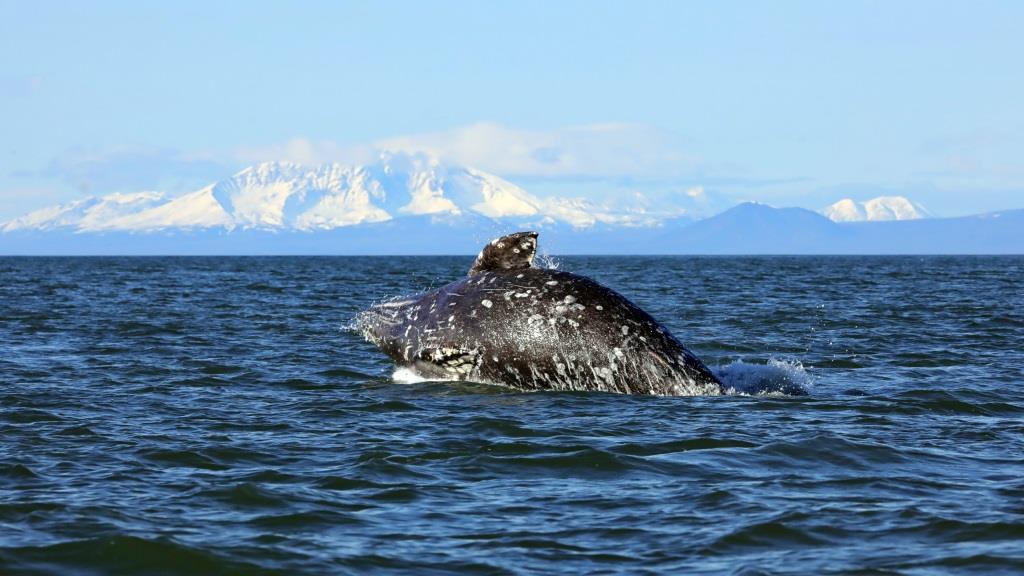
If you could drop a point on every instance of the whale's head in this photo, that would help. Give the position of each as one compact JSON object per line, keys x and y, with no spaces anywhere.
{"x":393,"y":327}
{"x":511,"y":252}
{"x":384,"y":324}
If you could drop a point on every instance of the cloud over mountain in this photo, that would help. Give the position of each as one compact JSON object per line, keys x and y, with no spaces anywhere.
{"x":595,"y":150}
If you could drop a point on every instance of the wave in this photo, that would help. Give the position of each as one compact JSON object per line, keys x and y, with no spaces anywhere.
{"x":122,"y":554}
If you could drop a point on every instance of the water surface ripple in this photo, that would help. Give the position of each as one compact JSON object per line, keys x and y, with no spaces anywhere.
{"x":214,"y":416}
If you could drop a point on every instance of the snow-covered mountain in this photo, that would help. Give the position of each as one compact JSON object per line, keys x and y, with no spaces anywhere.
{"x":875,"y":210}
{"x":286,"y":196}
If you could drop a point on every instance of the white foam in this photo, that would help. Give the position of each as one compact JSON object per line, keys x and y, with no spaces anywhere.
{"x":777,"y":377}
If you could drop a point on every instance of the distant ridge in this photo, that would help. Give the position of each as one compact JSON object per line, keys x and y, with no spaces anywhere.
{"x":745,"y":229}
{"x":754,"y":228}
{"x":760,"y":229}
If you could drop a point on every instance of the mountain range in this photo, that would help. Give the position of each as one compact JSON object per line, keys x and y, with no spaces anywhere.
{"x":286,"y":196}
{"x":414,"y":205}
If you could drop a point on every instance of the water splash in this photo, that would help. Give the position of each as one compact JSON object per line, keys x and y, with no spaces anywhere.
{"x":407,"y":375}
{"x":546,"y":261}
{"x":776,"y":378}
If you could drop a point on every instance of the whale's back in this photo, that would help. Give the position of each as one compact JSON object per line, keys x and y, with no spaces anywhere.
{"x":538,"y":329}
{"x":511,"y":323}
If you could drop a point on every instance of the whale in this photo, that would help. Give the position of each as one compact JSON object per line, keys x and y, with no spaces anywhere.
{"x":511,"y":323}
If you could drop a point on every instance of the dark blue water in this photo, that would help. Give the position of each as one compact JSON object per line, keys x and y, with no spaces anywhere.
{"x":213,"y":416}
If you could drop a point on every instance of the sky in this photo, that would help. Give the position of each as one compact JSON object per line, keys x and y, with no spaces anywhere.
{"x":787,"y":103}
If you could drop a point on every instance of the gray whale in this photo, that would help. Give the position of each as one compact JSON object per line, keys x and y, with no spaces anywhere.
{"x":513,"y":324}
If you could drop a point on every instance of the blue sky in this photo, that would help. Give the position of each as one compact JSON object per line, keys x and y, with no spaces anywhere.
{"x":790,"y":103}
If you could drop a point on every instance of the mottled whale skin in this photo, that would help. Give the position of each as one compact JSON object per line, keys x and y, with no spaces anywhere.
{"x":535,"y":329}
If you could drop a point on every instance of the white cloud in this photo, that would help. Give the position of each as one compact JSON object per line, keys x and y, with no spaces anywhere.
{"x":304,"y":151}
{"x":595,"y":150}
{"x":592,"y":150}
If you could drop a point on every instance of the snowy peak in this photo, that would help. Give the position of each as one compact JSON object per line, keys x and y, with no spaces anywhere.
{"x":893,"y":208}
{"x":286,"y":196}
{"x":875,"y":210}
{"x":846,"y":210}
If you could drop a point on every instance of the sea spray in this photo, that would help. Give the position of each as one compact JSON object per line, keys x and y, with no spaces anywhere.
{"x":776,"y":377}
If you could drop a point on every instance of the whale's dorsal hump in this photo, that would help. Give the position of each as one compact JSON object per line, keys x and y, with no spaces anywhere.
{"x":512,"y":252}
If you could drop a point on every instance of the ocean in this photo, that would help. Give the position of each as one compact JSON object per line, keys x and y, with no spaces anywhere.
{"x":205,"y":415}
